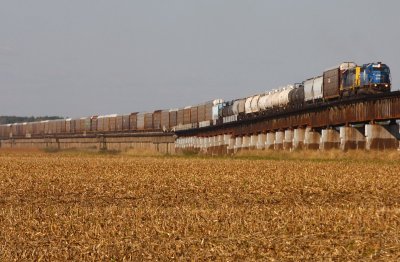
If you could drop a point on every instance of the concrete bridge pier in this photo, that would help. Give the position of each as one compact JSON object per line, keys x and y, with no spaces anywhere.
{"x":298,"y":138}
{"x":201,"y":145}
{"x":220,"y":145}
{"x":261,"y":139}
{"x":253,"y":141}
{"x":190,"y":144}
{"x":311,"y":139}
{"x":206,"y":145}
{"x":330,"y":139}
{"x":209,"y":145}
{"x":186,"y":143}
{"x":226,"y":139}
{"x":199,"y":142}
{"x":288,"y":139}
{"x":177,"y":145}
{"x":270,"y":140}
{"x":213,"y":145}
{"x":231,"y":145}
{"x":351,"y":138}
{"x":196,"y":144}
{"x":382,"y":137}
{"x":238,"y":144}
{"x":279,"y":137}
{"x":246,"y":142}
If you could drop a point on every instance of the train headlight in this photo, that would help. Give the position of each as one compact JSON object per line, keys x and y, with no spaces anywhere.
{"x":375,"y":85}
{"x":386,"y":85}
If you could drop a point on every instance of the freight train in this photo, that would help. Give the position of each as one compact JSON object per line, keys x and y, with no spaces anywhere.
{"x":346,"y":80}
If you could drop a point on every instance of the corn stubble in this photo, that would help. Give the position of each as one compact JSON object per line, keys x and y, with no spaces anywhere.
{"x":118,"y":207}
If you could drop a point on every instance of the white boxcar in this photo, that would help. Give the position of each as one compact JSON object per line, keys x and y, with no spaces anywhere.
{"x":313,"y":89}
{"x":317,"y":87}
{"x":308,"y":90}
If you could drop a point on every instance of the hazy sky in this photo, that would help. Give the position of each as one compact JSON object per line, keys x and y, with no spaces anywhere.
{"x":88,"y":57}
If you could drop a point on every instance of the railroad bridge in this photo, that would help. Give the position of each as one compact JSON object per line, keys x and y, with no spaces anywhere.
{"x":365,"y":122}
{"x":143,"y":141}
{"x":368,"y":122}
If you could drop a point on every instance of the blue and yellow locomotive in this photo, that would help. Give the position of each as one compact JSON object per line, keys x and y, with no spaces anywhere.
{"x":369,"y":78}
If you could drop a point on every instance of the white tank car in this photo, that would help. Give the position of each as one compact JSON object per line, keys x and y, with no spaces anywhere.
{"x":269,"y":99}
{"x":284,"y":95}
{"x":274,"y":100}
{"x":239,"y":106}
{"x":247,"y":105}
{"x":254,"y":104}
{"x":262,"y":101}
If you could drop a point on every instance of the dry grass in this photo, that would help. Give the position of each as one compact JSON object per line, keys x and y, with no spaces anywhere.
{"x":141,"y":152}
{"x":336,"y":155}
{"x":65,"y":206}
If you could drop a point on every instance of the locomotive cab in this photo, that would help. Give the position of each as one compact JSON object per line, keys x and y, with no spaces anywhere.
{"x":375,"y":77}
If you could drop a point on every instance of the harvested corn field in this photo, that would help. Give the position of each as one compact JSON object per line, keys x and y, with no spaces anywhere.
{"x":87,"y":206}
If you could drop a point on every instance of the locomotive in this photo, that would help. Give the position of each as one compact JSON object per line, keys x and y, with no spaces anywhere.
{"x":345,"y":80}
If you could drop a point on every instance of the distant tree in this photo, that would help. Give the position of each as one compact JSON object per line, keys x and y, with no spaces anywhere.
{"x":22,"y":119}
